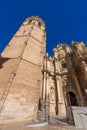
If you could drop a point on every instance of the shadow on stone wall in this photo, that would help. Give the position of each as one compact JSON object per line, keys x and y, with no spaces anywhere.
{"x":3,"y":60}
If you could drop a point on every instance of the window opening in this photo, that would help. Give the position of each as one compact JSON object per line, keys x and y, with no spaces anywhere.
{"x":64,"y":65}
{"x":30,"y":21}
{"x":39,"y":24}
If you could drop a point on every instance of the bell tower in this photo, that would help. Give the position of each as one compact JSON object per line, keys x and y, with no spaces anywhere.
{"x":20,"y":72}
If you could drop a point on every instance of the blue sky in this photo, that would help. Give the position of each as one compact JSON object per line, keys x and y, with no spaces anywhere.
{"x":66,"y":20}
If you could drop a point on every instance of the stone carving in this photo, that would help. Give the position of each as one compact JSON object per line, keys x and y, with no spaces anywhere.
{"x":61,"y":54}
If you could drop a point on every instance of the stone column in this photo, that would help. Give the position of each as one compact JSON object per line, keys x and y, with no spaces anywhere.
{"x":79,"y":90}
{"x":44,"y":85}
{"x":61,"y":103}
{"x":47,"y":98}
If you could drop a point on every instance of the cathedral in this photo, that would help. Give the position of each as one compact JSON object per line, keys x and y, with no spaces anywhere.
{"x":35,"y":86}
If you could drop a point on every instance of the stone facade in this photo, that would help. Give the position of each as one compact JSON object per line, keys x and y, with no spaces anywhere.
{"x":34,"y":84}
{"x":65,"y":78}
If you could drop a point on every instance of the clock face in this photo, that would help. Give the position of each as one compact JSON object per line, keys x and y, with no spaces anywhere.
{"x":25,"y":23}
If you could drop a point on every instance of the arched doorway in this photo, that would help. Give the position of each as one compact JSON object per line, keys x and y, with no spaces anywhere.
{"x":71,"y":99}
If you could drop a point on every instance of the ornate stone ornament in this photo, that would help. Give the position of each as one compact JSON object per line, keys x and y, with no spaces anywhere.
{"x":61,"y":54}
{"x":25,"y":22}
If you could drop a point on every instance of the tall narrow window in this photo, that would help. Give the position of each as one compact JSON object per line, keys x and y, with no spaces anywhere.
{"x":39,"y":24}
{"x":24,"y":31}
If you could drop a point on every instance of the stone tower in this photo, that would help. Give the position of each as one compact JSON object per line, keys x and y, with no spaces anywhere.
{"x":20,"y":71}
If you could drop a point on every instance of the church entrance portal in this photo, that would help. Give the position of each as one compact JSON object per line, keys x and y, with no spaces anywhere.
{"x":71,"y":99}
